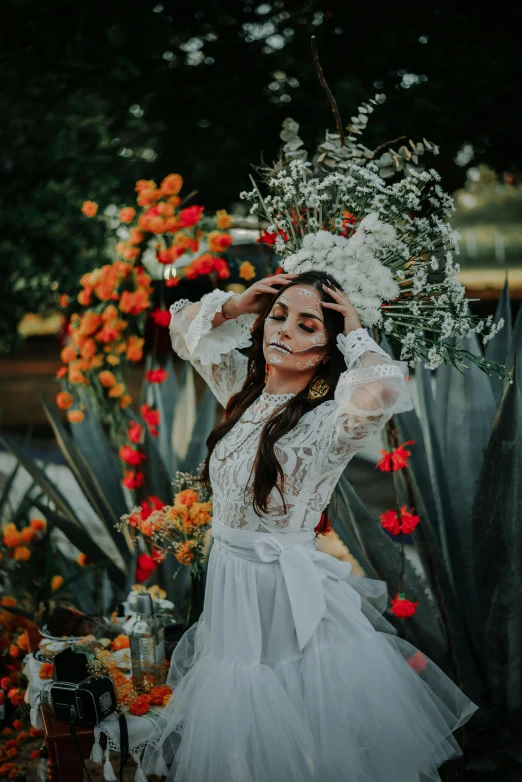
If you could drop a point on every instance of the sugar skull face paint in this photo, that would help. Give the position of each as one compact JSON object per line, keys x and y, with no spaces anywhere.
{"x":295,"y":337}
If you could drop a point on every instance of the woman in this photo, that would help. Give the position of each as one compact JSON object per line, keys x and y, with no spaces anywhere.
{"x":288,"y":675}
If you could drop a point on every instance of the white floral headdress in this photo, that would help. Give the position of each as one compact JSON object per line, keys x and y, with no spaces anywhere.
{"x":390,"y":246}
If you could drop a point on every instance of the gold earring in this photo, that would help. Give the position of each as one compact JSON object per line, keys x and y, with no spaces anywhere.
{"x":318,"y":388}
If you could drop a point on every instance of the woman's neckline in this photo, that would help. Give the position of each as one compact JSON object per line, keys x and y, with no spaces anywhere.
{"x":276,"y":397}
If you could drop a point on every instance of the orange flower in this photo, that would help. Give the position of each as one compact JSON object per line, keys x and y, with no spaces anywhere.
{"x":217,"y":241}
{"x":89,"y":323}
{"x":21,"y":642}
{"x":22,"y":554}
{"x":135,"y":348}
{"x":38,"y":524}
{"x":46,"y":671}
{"x":88,"y":349}
{"x":14,"y":651}
{"x":15,"y":696}
{"x":12,"y":537}
{"x":27,"y":535}
{"x":186,"y":497}
{"x":68,"y":354}
{"x":75,"y":416}
{"x":83,"y":561}
{"x":183,"y":554}
{"x":121,"y":642}
{"x":107,"y":379}
{"x":117,"y":390}
{"x":64,"y":400}
{"x":134,"y":303}
{"x":56,"y":583}
{"x":127,"y":214}
{"x":164,"y":209}
{"x":64,"y":300}
{"x":172,"y":184}
{"x":112,"y":360}
{"x":89,"y":208}
{"x":158,"y":695}
{"x":223,"y":220}
{"x":136,"y":236}
{"x":84,"y":297}
{"x":17,"y":725}
{"x":125,"y":401}
{"x":35,"y":754}
{"x":61,"y":372}
{"x":247,"y":271}
{"x":140,"y":705}
{"x":35,"y":733}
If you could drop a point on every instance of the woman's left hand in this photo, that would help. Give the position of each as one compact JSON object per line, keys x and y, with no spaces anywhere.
{"x":345,"y":306}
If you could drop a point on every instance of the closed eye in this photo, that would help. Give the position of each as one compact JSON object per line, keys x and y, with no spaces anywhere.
{"x":280,"y":317}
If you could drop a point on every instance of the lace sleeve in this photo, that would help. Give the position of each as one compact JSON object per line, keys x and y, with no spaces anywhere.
{"x":369,"y":392}
{"x":213,"y":352}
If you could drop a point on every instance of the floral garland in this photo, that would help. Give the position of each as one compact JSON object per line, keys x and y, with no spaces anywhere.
{"x":390,"y":246}
{"x":179,"y":528}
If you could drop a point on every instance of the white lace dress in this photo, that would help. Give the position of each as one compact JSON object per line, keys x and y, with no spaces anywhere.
{"x":292,"y":674}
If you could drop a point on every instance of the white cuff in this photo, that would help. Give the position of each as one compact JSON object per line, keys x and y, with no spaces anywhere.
{"x":355,"y":344}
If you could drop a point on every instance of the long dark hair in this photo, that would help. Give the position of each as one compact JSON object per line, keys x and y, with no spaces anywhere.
{"x":266,"y":465}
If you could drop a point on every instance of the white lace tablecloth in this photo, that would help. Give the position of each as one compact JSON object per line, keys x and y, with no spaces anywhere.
{"x":140,"y":728}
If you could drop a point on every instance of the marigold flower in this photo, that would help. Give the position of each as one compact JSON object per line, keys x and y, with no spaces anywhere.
{"x":156,"y":375}
{"x":184,"y":554}
{"x":133,"y":479}
{"x":83,"y":560}
{"x":15,"y":696}
{"x":68,"y":354}
{"x":14,"y":651}
{"x":11,"y":536}
{"x":125,"y":401}
{"x":22,"y":554}
{"x":107,"y":379}
{"x":131,"y":456}
{"x":139,"y":706}
{"x":5,"y":683}
{"x":144,"y":568}
{"x":157,"y":695}
{"x":8,"y":602}
{"x":172,"y":184}
{"x":223,"y":220}
{"x":75,"y":416}
{"x":134,"y":348}
{"x":173,"y":224}
{"x":186,"y":497}
{"x":38,"y":524}
{"x":402,"y":607}
{"x":18,"y":725}
{"x":88,"y":349}
{"x":191,"y":215}
{"x":89,"y":208}
{"x":85,"y":297}
{"x":56,"y":583}
{"x":24,"y":735}
{"x":134,"y":303}
{"x":165,"y":209}
{"x":127,"y":214}
{"x":161,"y":317}
{"x":217,"y":241}
{"x":46,"y":671}
{"x":397,"y":459}
{"x":89,"y":323}
{"x":136,"y":236}
{"x":247,"y":271}
{"x":117,"y":390}
{"x":61,"y":373}
{"x":64,"y":400}
{"x":121,"y":642}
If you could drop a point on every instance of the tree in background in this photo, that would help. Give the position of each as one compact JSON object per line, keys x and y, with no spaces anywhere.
{"x":114,"y":92}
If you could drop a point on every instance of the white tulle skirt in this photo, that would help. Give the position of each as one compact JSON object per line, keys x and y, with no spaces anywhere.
{"x":292,"y":674}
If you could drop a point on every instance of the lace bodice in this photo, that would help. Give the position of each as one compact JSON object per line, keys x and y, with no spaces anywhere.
{"x":315,"y":452}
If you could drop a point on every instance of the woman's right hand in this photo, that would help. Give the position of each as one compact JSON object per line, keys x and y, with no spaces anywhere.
{"x":254,"y":299}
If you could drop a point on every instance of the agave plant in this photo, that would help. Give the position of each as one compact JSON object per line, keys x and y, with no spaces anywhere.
{"x":98,"y":472}
{"x":464,"y":480}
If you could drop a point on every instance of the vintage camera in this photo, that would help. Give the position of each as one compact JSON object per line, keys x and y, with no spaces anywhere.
{"x":75,"y":695}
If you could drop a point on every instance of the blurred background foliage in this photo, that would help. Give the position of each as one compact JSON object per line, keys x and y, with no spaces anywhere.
{"x":97,"y":95}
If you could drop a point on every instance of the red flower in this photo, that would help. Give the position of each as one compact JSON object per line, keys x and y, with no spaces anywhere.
{"x":34,"y":754}
{"x":145,"y":567}
{"x":152,"y":417}
{"x":5,"y":683}
{"x":156,"y":375}
{"x":134,"y":432}
{"x":160,"y":317}
{"x":268,"y":238}
{"x":404,"y":522}
{"x":418,"y":662}
{"x":402,"y":607}
{"x":392,"y":461}
{"x":324,"y":526}
{"x":131,"y":456}
{"x":133,"y":479}
{"x":191,"y":215}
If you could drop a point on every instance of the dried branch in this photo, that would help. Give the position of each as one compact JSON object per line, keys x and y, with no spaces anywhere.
{"x":326,"y":88}
{"x":387,"y":143}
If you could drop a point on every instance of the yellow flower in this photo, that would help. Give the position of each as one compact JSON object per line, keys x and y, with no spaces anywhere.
{"x":247,"y":271}
{"x":223,"y":220}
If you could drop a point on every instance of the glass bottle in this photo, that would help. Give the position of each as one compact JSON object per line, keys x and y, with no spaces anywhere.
{"x":147,"y":646}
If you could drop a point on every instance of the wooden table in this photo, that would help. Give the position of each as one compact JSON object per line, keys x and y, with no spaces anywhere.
{"x":64,"y":764}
